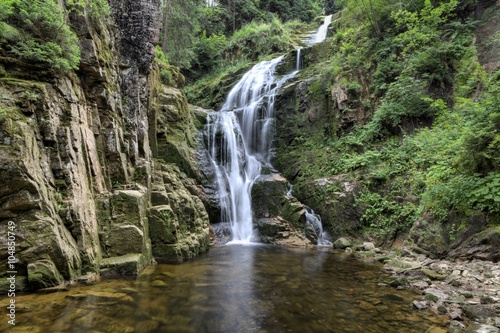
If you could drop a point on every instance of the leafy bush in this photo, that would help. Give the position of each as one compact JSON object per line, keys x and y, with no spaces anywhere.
{"x":210,"y":50}
{"x":384,"y":214}
{"x":36,"y":31}
{"x":258,"y":39}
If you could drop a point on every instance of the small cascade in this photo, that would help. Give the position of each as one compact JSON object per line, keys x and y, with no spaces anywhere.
{"x":322,"y":31}
{"x":298,"y":65}
{"x":289,"y":189}
{"x":314,"y":221}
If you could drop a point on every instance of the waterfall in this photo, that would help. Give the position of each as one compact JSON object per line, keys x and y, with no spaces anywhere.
{"x":322,"y":31}
{"x":239,"y":139}
{"x":314,"y":221}
{"x":298,"y":65}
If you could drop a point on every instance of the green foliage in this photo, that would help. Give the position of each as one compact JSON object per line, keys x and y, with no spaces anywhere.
{"x":418,"y":28}
{"x":96,"y":8}
{"x":257,"y":39}
{"x":180,"y":29}
{"x":213,"y":20}
{"x":383,"y":214}
{"x":166,"y":75}
{"x":374,"y":15}
{"x":36,"y":31}
{"x":481,"y":140}
{"x":210,"y":50}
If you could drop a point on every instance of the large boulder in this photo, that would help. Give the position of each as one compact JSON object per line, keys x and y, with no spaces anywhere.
{"x":280,"y":217}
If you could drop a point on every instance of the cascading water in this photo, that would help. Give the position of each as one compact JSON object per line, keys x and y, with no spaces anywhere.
{"x":298,"y":65}
{"x":239,"y":139}
{"x":322,"y":31}
{"x":314,"y":221}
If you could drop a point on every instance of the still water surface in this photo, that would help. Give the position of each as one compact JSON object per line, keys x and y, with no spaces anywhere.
{"x":234,"y":289}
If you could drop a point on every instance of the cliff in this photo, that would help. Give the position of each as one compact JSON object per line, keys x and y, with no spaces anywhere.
{"x":97,"y":165}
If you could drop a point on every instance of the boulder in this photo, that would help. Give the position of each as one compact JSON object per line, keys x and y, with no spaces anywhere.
{"x":342,"y":243}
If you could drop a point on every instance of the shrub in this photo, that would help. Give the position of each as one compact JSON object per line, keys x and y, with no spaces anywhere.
{"x":258,"y":39}
{"x":36,"y":31}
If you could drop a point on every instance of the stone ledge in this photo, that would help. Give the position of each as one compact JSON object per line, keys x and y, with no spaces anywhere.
{"x":127,"y":265}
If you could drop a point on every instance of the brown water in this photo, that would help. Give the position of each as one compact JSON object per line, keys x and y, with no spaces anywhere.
{"x":234,"y":289}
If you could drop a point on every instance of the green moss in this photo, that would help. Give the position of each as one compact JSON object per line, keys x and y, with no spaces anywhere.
{"x":431,"y":297}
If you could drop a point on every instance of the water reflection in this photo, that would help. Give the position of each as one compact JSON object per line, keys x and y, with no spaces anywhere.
{"x":234,"y":289}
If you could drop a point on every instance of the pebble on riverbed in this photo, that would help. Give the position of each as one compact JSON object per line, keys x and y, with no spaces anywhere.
{"x":468,"y":292}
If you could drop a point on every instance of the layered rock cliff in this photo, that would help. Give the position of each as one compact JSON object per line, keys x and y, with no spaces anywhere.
{"x":97,"y":167}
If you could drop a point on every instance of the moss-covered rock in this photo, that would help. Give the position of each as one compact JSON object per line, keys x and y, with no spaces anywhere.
{"x":178,"y":222}
{"x":43,"y":274}
{"x":280,"y":218}
{"x":127,"y":265}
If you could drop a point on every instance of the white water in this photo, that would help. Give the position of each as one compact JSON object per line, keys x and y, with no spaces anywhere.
{"x":314,"y":221}
{"x":298,"y":65}
{"x":322,"y":31}
{"x":240,"y":140}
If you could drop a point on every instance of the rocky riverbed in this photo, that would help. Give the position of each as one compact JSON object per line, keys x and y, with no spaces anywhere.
{"x":467,"y":291}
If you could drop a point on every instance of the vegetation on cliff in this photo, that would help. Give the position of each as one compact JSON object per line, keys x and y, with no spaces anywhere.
{"x":37,"y":32}
{"x":414,"y":115}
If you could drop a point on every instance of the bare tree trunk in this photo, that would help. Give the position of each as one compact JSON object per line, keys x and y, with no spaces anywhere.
{"x":166,"y":14}
{"x":234,"y":16}
{"x":374,"y":19}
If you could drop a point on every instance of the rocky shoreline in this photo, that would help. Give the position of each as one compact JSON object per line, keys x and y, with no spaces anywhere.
{"x":466,"y":291}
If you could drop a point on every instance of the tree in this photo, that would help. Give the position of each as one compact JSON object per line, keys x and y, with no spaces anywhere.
{"x":180,"y":28}
{"x":375,"y":14}
{"x":304,"y":10}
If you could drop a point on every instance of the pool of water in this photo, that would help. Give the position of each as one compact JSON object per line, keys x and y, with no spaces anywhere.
{"x":234,"y":289}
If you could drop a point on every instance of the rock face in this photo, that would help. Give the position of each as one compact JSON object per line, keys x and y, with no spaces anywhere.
{"x":91,"y":162}
{"x":280,"y":218}
{"x":332,"y":198}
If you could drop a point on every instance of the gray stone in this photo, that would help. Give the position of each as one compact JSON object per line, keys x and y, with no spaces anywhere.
{"x":420,"y":305}
{"x":342,"y":243}
{"x":126,"y":265}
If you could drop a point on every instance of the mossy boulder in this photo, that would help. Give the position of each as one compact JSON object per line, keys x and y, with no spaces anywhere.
{"x":43,"y":274}
{"x":130,"y":264}
{"x":278,"y":215}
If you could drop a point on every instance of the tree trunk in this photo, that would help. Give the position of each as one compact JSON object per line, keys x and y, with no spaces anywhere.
{"x":166,"y":14}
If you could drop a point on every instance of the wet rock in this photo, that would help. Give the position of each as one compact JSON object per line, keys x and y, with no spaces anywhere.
{"x":480,"y":328}
{"x":485,"y":299}
{"x":178,"y":229}
{"x":126,"y":265}
{"x":435,"y":329}
{"x":455,"y":315}
{"x":432,"y":274}
{"x":368,"y":246}
{"x":419,"y":285}
{"x":55,"y":289}
{"x":342,"y":243}
{"x":420,"y":305}
{"x":476,"y":312}
{"x":43,"y":274}
{"x":280,"y":217}
{"x":102,"y":297}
